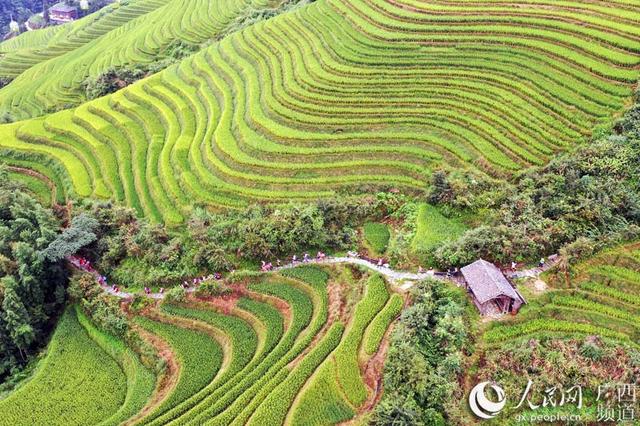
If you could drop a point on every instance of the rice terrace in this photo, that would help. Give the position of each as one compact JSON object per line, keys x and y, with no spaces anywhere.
{"x":319,"y":212}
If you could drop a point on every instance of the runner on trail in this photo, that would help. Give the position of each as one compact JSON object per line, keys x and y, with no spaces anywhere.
{"x":514,"y":265}
{"x":541,"y":264}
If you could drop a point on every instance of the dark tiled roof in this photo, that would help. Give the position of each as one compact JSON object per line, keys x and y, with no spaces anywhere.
{"x":62,"y":7}
{"x":487,"y":281}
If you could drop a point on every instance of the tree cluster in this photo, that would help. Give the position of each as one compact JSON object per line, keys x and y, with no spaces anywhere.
{"x":32,"y":286}
{"x":137,"y":253}
{"x":19,"y":10}
{"x":425,"y":360}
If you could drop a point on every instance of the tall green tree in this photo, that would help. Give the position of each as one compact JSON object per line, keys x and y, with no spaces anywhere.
{"x":32,"y":285}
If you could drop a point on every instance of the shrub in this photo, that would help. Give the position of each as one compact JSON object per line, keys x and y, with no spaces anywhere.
{"x":102,"y":308}
{"x":424,"y":359}
{"x":175,"y":295}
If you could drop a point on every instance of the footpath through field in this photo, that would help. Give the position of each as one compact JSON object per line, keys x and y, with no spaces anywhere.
{"x":403,"y":280}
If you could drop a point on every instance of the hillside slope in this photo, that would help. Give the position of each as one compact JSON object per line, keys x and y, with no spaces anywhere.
{"x":341,"y":93}
{"x":49,"y":72}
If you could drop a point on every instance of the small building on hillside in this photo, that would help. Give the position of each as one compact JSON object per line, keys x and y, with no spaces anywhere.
{"x":61,"y":12}
{"x":490,"y":290}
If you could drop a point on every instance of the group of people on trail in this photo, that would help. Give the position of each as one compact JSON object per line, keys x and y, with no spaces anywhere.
{"x":430,"y":271}
{"x":197,"y":281}
{"x":541,"y":263}
{"x":82,"y":263}
{"x":306,"y":258}
{"x":85,"y":265}
{"x":381,"y":263}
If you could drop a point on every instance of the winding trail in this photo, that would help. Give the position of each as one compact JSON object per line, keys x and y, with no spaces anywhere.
{"x":403,"y":280}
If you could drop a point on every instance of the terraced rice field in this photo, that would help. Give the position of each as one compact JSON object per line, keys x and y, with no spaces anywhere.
{"x":34,"y":47}
{"x":260,"y":359}
{"x":49,"y":66}
{"x":261,"y":356}
{"x":334,"y":95}
{"x":87,"y":377}
{"x":602,"y":300}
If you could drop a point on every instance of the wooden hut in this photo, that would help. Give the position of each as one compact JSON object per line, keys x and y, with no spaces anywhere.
{"x":490,"y":290}
{"x":61,"y":12}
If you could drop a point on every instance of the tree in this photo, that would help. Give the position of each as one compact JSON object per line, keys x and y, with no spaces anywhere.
{"x":80,"y":234}
{"x":16,"y":317}
{"x":441,"y":192}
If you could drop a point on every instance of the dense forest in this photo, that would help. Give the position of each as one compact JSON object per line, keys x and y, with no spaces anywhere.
{"x":31,"y":285}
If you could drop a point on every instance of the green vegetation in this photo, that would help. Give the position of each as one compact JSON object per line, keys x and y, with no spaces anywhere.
{"x":584,"y":330}
{"x":114,"y":79}
{"x":323,"y":402}
{"x":199,"y":357}
{"x":377,"y":236}
{"x":597,"y":300}
{"x":32,"y":286}
{"x":136,"y":254}
{"x":276,"y":405}
{"x":254,"y":362}
{"x":380,"y":324}
{"x":19,"y":10}
{"x":433,"y":229}
{"x":346,"y":354}
{"x":49,"y":67}
{"x":580,"y":202}
{"x":140,"y":380}
{"x":333,"y":96}
{"x":36,"y":186}
{"x":425,"y":359}
{"x":233,"y":131}
{"x":77,"y":383}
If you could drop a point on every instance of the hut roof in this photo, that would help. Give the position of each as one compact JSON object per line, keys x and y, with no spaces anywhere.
{"x":62,"y":7}
{"x":487,"y":281}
